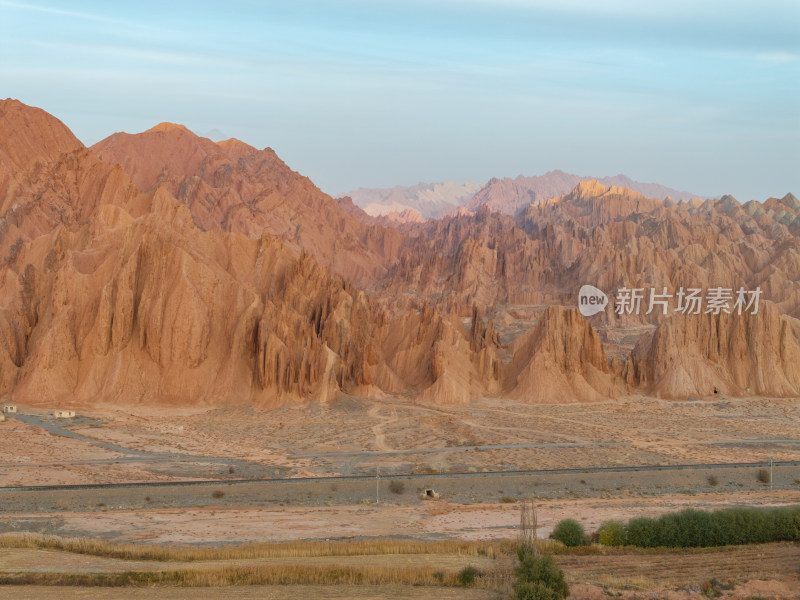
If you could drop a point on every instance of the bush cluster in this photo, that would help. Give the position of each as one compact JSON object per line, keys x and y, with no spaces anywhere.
{"x":468,"y":575}
{"x":538,"y":577}
{"x":697,"y":528}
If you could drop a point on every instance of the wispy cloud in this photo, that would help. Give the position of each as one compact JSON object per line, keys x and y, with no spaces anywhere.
{"x":152,"y":54}
{"x":779,"y":57}
{"x":58,"y":11}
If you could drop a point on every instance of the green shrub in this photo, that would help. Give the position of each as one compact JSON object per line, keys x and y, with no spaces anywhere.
{"x":468,"y":575}
{"x":397,"y":487}
{"x":763,"y":476}
{"x":569,"y":532}
{"x":611,"y":533}
{"x":538,"y":577}
{"x":534,"y":591}
{"x":713,"y":480}
{"x":642,"y":532}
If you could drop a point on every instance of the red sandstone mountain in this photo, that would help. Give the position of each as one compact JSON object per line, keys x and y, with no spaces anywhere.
{"x":609,"y":237}
{"x":119,"y":297}
{"x":234,"y":187}
{"x":708,"y":354}
{"x":116,"y":291}
{"x":47,"y":178}
{"x":560,"y":360}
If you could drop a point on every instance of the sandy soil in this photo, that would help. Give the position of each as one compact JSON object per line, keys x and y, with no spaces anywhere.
{"x":784,"y":589}
{"x":354,"y":436}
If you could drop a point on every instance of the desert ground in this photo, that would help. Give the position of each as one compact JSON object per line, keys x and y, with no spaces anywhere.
{"x":309,"y":472}
{"x":351,"y":436}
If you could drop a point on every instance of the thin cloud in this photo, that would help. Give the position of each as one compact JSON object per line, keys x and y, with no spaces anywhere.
{"x":58,"y":11}
{"x":158,"y":55}
{"x":778,"y":57}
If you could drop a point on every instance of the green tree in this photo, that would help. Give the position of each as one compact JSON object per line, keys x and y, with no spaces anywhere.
{"x":611,"y":533}
{"x":538,"y":577}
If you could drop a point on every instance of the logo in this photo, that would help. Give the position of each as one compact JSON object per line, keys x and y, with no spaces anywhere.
{"x":591,"y":301}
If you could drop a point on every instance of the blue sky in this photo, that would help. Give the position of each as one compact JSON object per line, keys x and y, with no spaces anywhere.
{"x":701,"y":96}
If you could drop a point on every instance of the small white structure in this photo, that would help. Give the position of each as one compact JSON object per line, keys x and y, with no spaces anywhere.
{"x":430,"y":494}
{"x":63,"y":414}
{"x":9,"y":408}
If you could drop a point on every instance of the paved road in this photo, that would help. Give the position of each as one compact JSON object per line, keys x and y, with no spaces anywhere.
{"x":414,"y":476}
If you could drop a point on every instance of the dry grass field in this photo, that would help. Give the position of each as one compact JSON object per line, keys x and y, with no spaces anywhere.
{"x":402,"y":569}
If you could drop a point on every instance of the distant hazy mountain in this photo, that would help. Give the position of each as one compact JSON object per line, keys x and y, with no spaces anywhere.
{"x":215,"y":135}
{"x":505,"y":195}
{"x":428,"y":199}
{"x":509,"y":196}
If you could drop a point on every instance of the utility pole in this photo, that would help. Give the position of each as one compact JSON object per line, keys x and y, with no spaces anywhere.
{"x":377,"y":485}
{"x":770,"y":472}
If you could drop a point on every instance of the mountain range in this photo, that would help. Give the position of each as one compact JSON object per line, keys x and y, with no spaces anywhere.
{"x":165,"y":268}
{"x":508,"y":196}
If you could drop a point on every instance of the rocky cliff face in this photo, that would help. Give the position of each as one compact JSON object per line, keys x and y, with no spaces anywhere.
{"x":561,"y":359}
{"x":707,"y":354}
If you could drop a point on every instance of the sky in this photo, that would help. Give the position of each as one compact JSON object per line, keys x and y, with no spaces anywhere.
{"x":702,"y":96}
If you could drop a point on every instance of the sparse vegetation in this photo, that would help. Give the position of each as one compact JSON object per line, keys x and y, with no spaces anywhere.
{"x":508,"y":499}
{"x":713,"y":480}
{"x":569,"y":532}
{"x":712,"y":588}
{"x":397,"y":487}
{"x":468,"y":575}
{"x":217,"y":494}
{"x":764,"y":476}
